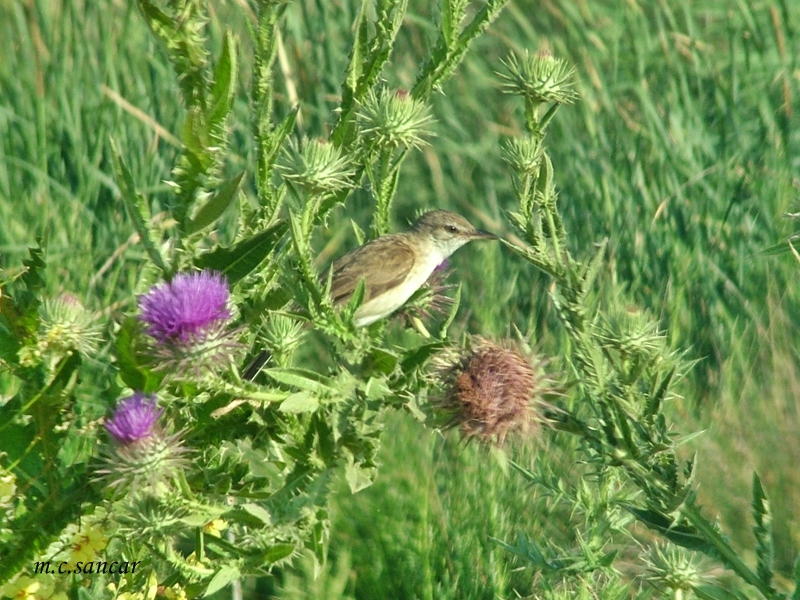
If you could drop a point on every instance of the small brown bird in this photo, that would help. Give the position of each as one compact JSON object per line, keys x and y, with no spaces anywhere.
{"x":394,"y":266}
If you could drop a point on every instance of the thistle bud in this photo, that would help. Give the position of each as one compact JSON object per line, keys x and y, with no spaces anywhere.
{"x":316,"y":166}
{"x":281,"y":336}
{"x":393,"y":119}
{"x":524,"y":154}
{"x":540,"y":78}
{"x":65,"y":326}
{"x":672,"y":568}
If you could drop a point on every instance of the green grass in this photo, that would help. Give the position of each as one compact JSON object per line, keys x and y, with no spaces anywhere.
{"x":682,"y":151}
{"x":56,"y":121}
{"x":428,"y":529}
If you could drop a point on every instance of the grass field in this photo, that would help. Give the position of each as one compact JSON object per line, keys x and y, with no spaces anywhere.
{"x":683,"y":150}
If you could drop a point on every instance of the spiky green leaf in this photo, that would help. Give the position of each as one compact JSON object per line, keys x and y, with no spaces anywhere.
{"x":216,"y":205}
{"x":762,"y":515}
{"x":241,"y":259}
{"x":222,"y":578}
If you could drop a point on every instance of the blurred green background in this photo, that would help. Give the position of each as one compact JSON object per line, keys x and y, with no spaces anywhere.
{"x":684,"y":151}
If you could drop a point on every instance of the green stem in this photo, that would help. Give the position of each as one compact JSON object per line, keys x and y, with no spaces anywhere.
{"x":383,"y":203}
{"x":200,"y":545}
{"x":526,"y":198}
{"x":728,"y":554}
{"x":548,"y":116}
{"x":558,"y":257}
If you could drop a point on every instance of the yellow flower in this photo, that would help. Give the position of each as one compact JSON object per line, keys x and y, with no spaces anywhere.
{"x":8,"y":487}
{"x":50,"y":593}
{"x":40,"y":587}
{"x":152,"y":586}
{"x":23,"y":588}
{"x":47,"y":589}
{"x":148,"y":593}
{"x":216,"y":527}
{"x":176,"y":592}
{"x":86,"y":544}
{"x":130,"y":596}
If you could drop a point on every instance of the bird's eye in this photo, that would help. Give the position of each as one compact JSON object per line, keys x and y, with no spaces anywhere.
{"x":451,"y":228}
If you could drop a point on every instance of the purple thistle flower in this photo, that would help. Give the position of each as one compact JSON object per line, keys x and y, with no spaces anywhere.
{"x":186,"y":320}
{"x":185,"y":308}
{"x":146,"y":458}
{"x":134,"y":419}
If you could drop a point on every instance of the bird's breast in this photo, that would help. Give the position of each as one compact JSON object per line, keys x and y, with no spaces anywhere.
{"x":389,"y":301}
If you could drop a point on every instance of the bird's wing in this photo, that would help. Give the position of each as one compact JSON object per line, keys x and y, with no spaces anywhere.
{"x":387,"y":259}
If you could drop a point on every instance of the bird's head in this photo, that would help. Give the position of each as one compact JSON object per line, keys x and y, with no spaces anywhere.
{"x":449,"y":231}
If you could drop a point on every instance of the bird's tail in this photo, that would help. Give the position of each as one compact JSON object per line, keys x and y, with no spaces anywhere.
{"x":256,"y":365}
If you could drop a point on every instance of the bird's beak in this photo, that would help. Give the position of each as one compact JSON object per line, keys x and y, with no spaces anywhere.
{"x":480,"y":234}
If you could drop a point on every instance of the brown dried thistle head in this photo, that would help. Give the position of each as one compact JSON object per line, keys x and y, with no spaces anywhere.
{"x":493,"y":391}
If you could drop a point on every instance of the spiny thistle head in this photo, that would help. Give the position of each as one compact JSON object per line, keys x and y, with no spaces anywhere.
{"x":142,"y":453}
{"x":282,"y":335}
{"x":316,"y":166}
{"x":187,"y":322}
{"x":539,"y":77}
{"x":65,"y":326}
{"x":394,"y":119}
{"x":524,"y":154}
{"x":632,"y":332}
{"x":492,"y":391}
{"x":671,"y":567}
{"x":151,"y":517}
{"x":69,"y":325}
